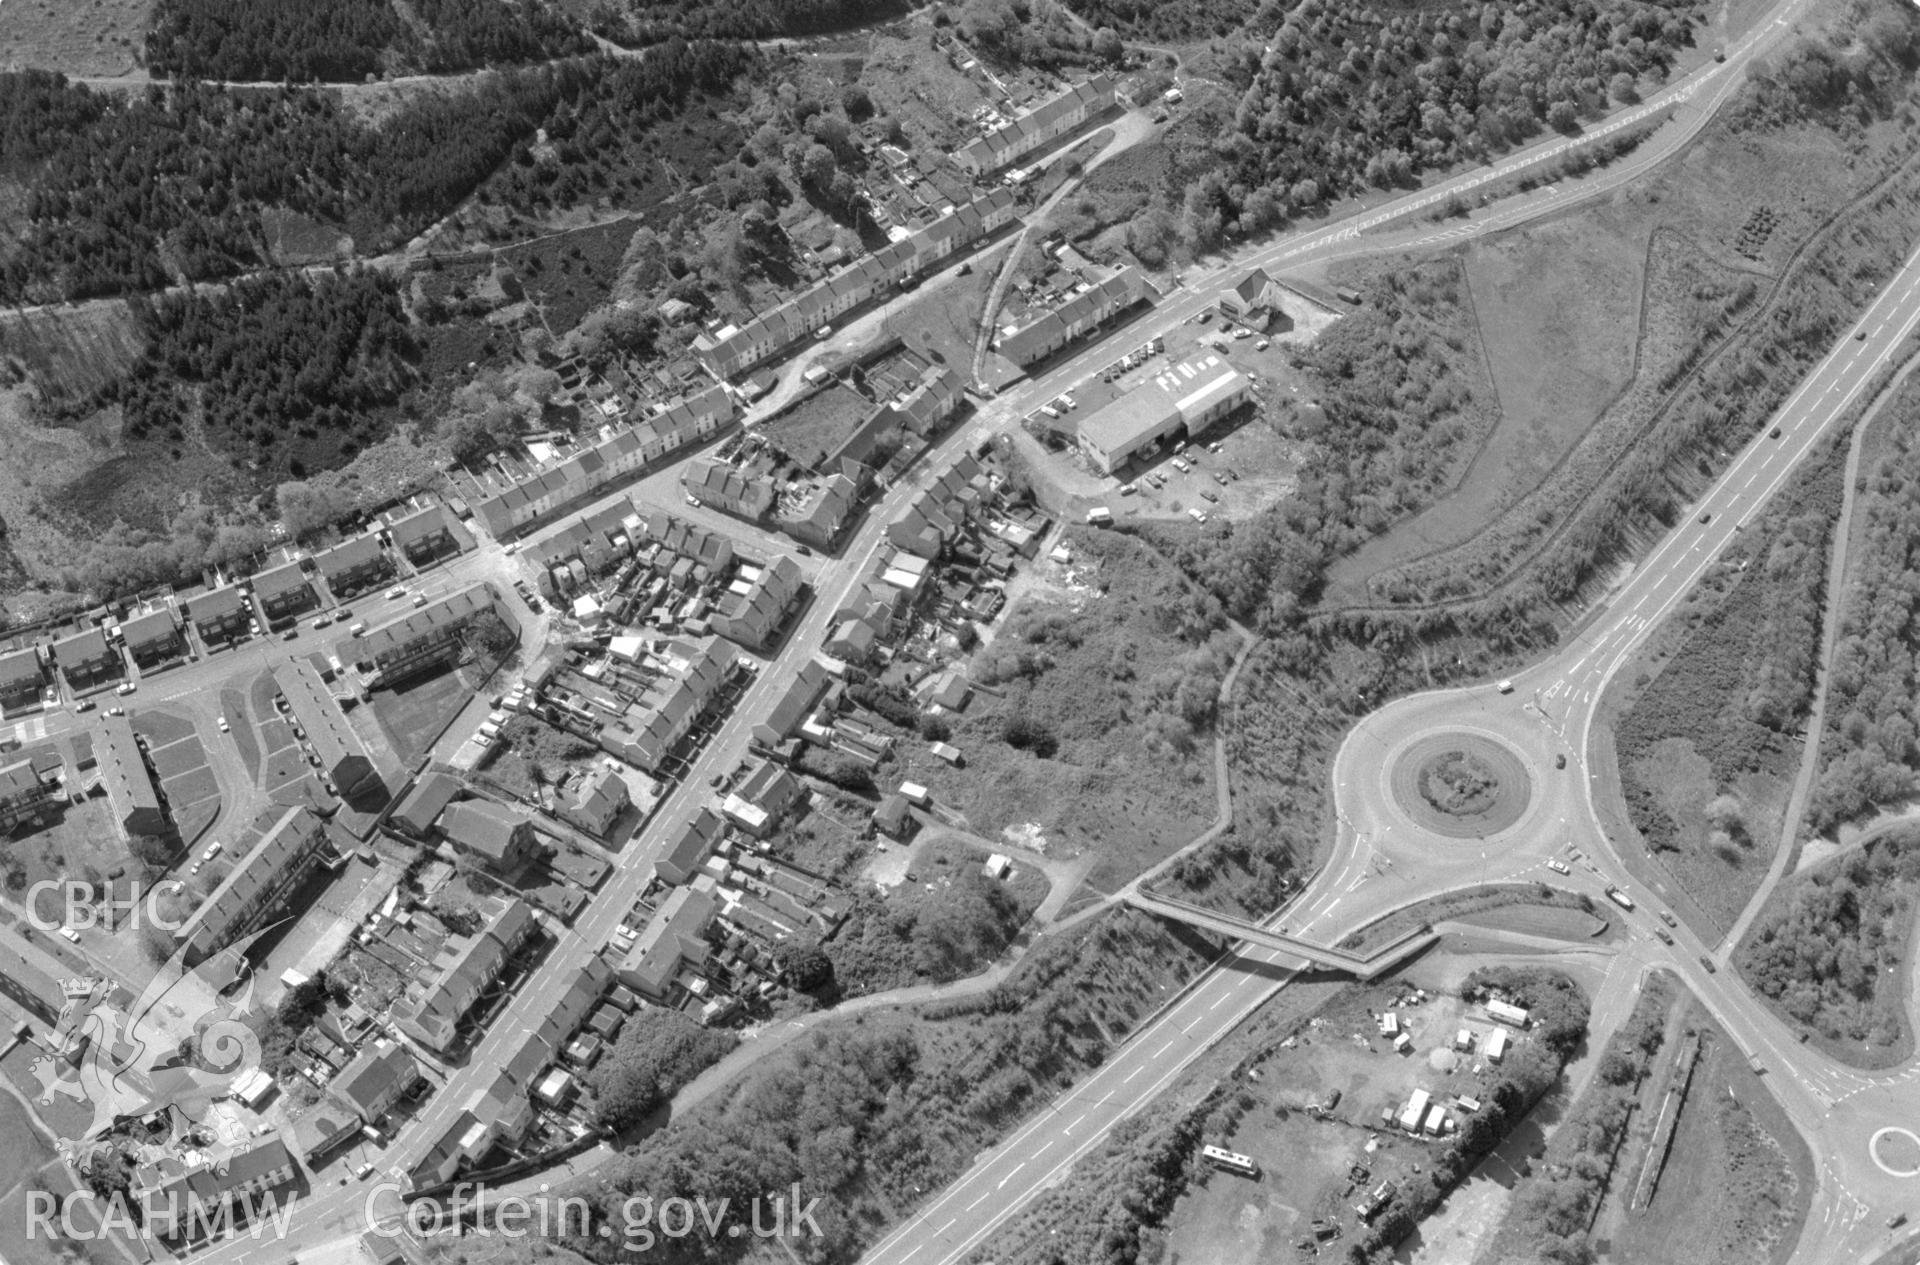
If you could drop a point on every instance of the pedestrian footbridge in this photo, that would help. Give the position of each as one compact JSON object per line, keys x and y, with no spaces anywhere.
{"x":1364,"y":967}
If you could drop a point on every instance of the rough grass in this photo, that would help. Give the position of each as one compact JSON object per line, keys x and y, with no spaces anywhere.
{"x":1100,"y":673}
{"x":104,"y":37}
{"x":817,"y":425}
{"x":1738,"y":1180}
{"x":1679,"y":718}
{"x":1554,"y":310}
{"x":70,"y":353}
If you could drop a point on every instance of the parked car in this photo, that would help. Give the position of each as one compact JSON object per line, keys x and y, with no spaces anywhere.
{"x":116,"y":711}
{"x":84,"y":705}
{"x":1197,"y":515}
{"x":1666,"y":937}
{"x":70,"y":935}
{"x":1559,"y":867}
{"x":398,"y":590}
{"x":125,"y":687}
{"x":224,"y":726}
{"x":1669,"y":919}
{"x":419,"y":599}
{"x":1706,"y":963}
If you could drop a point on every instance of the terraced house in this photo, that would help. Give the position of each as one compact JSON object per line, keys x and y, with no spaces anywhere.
{"x":153,"y":637}
{"x":1035,"y":128}
{"x":21,"y":678}
{"x":465,"y":968}
{"x":1073,"y":320}
{"x":293,"y":843}
{"x":24,"y":794}
{"x":732,"y":350}
{"x":427,"y":638}
{"x":509,"y":511}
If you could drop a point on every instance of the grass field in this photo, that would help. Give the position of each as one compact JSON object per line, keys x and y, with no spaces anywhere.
{"x":1739,"y":1177}
{"x":102,"y":38}
{"x":415,"y":713}
{"x":1705,"y":271}
{"x":1555,"y":309}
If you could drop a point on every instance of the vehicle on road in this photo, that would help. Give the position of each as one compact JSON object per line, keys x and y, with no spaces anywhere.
{"x":323,"y":621}
{"x":291,"y":633}
{"x":70,"y":935}
{"x":512,"y":548}
{"x":1706,"y":518}
{"x":398,"y":590}
{"x":1505,"y":687}
{"x":419,"y":599}
{"x":1706,"y":964}
{"x":824,"y":332}
{"x":356,"y":630}
{"x":693,"y":501}
{"x":1666,"y":937}
{"x":125,"y":687}
{"x":1559,"y":867}
{"x":1897,"y":1220}
{"x":1860,"y":336}
{"x":1560,"y":760}
{"x":84,"y":705}
{"x":1619,"y":898}
{"x":224,"y":726}
{"x":1669,"y":919}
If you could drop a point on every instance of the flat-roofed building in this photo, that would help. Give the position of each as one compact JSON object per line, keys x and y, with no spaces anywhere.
{"x":293,"y":843}
{"x":153,"y":637}
{"x":430,"y":636}
{"x":21,"y":677}
{"x":343,"y":757}
{"x":425,"y":534}
{"x":86,"y":656}
{"x":219,"y":614}
{"x":354,"y":566}
{"x":284,"y":591}
{"x":1184,"y":399}
{"x":133,"y":799}
{"x":24,"y":794}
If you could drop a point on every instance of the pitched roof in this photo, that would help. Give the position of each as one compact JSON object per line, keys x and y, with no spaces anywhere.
{"x":349,"y":555}
{"x":274,"y":581}
{"x":483,"y":827}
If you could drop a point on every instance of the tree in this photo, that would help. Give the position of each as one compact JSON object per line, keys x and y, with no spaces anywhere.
{"x":657,"y":1053}
{"x":1622,"y":88}
{"x":804,"y":967}
{"x":1107,"y":46}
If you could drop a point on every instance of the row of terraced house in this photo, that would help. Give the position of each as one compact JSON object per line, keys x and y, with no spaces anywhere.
{"x":733,"y":350}
{"x":511,"y":510}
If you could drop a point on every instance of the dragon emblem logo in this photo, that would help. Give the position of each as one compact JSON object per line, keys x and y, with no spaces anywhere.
{"x":179,"y":1047}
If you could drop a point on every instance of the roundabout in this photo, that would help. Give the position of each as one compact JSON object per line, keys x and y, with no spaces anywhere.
{"x":1461,"y":785}
{"x":1896,"y":1151}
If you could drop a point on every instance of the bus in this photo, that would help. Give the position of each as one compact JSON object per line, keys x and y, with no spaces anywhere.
{"x":1232,"y":1161}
